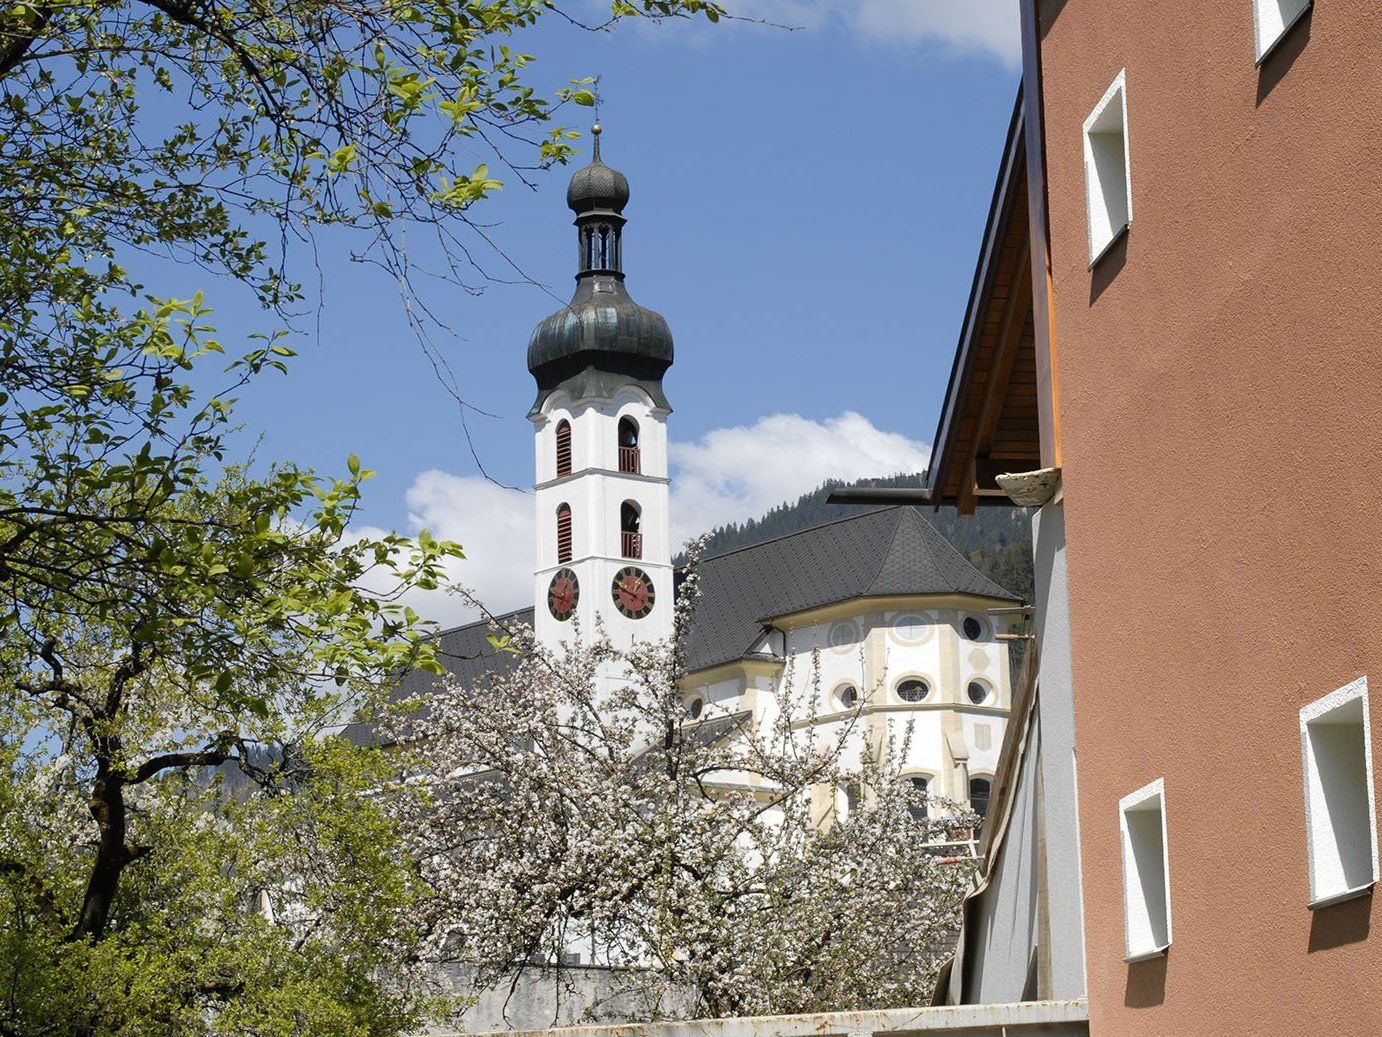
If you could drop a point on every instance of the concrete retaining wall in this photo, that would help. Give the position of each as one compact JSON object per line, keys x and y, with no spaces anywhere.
{"x":1029,"y":1019}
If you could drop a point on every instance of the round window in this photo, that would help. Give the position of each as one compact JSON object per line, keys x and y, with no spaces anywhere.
{"x":973,"y":628}
{"x":911,"y":627}
{"x":913,"y":690}
{"x":847,"y":696}
{"x":842,"y":635}
{"x":978,"y":692}
{"x":695,"y":708}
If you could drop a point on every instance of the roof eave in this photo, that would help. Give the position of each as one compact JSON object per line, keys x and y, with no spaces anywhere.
{"x":794,"y":618}
{"x":1006,"y":190}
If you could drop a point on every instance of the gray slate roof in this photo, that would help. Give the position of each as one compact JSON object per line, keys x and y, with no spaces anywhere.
{"x":465,"y":651}
{"x":889,"y":551}
{"x":880,"y":553}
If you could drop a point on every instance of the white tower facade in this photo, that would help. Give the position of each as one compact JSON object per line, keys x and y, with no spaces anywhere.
{"x":607,"y":516}
{"x":604,"y":541}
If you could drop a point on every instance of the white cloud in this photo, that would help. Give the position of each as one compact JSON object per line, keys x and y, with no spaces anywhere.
{"x":728,"y":475}
{"x":732,"y":474}
{"x":987,"y":27}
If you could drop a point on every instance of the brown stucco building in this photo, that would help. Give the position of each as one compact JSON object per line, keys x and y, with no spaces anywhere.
{"x":1175,"y":321}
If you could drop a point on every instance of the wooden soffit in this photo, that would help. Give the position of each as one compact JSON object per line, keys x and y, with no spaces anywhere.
{"x":990,"y":422}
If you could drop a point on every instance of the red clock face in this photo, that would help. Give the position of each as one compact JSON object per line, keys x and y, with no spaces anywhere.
{"x":563,"y":593}
{"x":633,"y":592}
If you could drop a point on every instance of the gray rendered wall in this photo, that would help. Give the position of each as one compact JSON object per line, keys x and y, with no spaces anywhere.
{"x":1060,"y":807}
{"x":1000,"y":945}
{"x":1041,"y":853}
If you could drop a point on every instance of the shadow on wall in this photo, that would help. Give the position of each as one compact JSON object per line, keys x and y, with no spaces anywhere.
{"x":1107,"y":269}
{"x":1280,"y":60}
{"x":1146,"y":985}
{"x":1050,"y":11}
{"x":1340,"y":924}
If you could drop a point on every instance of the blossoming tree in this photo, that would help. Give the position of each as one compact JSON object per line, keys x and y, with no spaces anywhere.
{"x":707,"y":858}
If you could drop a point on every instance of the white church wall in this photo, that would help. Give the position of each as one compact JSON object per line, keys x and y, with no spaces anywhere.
{"x":875,"y":652}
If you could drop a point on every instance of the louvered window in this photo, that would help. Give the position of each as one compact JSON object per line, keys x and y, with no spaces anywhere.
{"x":563,"y":448}
{"x":564,"y":533}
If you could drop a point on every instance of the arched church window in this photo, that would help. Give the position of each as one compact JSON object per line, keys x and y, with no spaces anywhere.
{"x":563,"y":448}
{"x":564,"y":533}
{"x":979,"y":791}
{"x":630,"y":534}
{"x":854,"y":798}
{"x":921,"y":792}
{"x":628,"y":446}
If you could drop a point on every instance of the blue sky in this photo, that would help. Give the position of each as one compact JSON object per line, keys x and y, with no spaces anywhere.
{"x":806,"y":209}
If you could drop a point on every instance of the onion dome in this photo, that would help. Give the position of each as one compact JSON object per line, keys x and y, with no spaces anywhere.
{"x":601,"y":340}
{"x":597,"y":187}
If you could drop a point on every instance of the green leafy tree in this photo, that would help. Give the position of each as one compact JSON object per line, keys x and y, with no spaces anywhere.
{"x":166,"y":611}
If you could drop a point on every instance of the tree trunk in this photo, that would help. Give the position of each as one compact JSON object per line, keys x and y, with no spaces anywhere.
{"x":107,"y":804}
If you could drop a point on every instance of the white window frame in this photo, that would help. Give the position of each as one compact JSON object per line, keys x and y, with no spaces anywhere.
{"x":1094,"y":183}
{"x":1141,"y":939}
{"x":1272,"y":20}
{"x":1339,"y":791}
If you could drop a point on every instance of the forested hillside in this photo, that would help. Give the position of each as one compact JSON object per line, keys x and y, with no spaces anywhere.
{"x":997,"y":541}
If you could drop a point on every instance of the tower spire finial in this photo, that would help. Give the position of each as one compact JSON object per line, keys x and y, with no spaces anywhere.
{"x":595,"y":130}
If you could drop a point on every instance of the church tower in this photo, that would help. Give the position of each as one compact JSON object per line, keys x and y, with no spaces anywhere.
{"x":600,"y":424}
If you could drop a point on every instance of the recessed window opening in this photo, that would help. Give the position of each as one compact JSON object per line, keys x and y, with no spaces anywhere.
{"x":563,"y":448}
{"x":913,"y":690}
{"x":630,"y":537}
{"x":695,"y":709}
{"x":1108,"y":185}
{"x":921,"y":796}
{"x":973,"y":628}
{"x":563,"y":533}
{"x":978,"y":692}
{"x":1340,"y":814}
{"x":1272,"y":20}
{"x":1146,"y":874}
{"x":629,"y":460}
{"x":854,"y":798}
{"x":979,"y":791}
{"x":847,"y":696}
